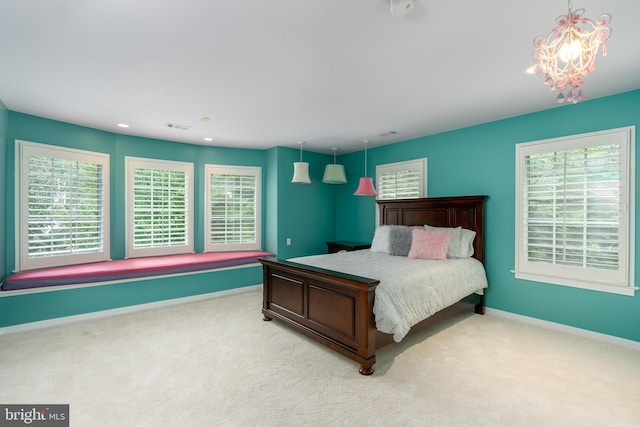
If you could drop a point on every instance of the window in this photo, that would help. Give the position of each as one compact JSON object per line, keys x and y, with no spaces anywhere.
{"x":574,"y":211}
{"x":159,"y":207}
{"x":402,"y":180}
{"x":62,"y":207}
{"x":232,"y":216}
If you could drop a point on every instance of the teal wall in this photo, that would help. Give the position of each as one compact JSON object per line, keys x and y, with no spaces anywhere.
{"x":270,"y":200}
{"x":26,"y":308}
{"x":481,"y":160}
{"x":304,"y":211}
{"x":4,"y":124}
{"x":301,"y":212}
{"x":36,"y":129}
{"x":309,"y":227}
{"x":474,"y":160}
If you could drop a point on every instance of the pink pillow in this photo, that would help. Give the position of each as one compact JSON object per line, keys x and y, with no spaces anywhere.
{"x":429,"y":244}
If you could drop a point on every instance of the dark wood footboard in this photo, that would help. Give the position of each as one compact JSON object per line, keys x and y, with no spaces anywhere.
{"x":332,"y":308}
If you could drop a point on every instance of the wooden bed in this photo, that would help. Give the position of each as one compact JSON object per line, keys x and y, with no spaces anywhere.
{"x":336,"y":309}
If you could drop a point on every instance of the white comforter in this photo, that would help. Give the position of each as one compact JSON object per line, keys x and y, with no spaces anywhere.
{"x":410,"y":290}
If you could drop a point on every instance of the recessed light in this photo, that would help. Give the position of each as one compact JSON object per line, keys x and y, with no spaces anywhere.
{"x":123,"y":125}
{"x":208,"y":139}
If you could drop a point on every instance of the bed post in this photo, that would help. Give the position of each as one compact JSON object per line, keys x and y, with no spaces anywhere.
{"x":265,"y":294}
{"x":479,"y":307}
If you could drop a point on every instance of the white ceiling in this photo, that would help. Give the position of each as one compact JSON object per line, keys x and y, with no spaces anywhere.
{"x":273,"y":72}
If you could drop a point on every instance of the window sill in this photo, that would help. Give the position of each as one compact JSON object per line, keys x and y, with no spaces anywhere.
{"x":612,"y":289}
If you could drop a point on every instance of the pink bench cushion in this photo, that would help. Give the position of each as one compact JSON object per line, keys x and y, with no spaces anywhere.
{"x":128,"y":268}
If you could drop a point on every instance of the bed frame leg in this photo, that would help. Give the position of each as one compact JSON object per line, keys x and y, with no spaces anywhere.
{"x":479,"y":308}
{"x":365,"y":370}
{"x":266,"y":318}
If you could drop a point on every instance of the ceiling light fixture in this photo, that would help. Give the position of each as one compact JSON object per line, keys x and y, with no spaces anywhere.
{"x":334,"y":173}
{"x":123,"y":125}
{"x":301,"y":170}
{"x":365,"y":187}
{"x":569,"y":52}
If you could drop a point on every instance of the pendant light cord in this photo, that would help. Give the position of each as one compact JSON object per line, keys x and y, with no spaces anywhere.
{"x":365,"y":158}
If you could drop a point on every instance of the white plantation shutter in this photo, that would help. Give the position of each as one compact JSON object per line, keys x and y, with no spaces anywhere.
{"x":402,"y":180}
{"x":573,"y":200}
{"x":233,"y":208}
{"x":63,"y":206}
{"x":65,"y":212}
{"x":159,"y":207}
{"x":403,"y":184}
{"x":574,"y":209}
{"x":233,"y":213}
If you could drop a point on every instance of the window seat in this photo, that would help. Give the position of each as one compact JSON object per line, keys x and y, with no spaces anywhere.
{"x":128,"y":268}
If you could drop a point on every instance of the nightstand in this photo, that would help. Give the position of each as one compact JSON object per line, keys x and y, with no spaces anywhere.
{"x":343,"y":245}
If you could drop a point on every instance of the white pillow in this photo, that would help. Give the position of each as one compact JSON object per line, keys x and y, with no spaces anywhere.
{"x":466,"y":243}
{"x":380,"y":241}
{"x":392,"y":240}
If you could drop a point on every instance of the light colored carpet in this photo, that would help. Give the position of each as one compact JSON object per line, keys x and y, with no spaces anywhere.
{"x":216,"y":363}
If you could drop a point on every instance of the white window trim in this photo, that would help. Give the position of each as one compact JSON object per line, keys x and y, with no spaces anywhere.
{"x":523,"y":270}
{"x":25,"y":149}
{"x":132,"y":163}
{"x":240,"y":170}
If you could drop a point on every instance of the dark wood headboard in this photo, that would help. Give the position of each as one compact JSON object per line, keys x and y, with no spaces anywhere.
{"x":465,"y":211}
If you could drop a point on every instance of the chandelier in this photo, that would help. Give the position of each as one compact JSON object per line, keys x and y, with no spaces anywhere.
{"x":568,"y":53}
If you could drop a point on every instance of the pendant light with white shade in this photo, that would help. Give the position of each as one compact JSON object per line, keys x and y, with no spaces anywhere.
{"x":334,"y":173}
{"x":365,"y":187}
{"x":301,"y":170}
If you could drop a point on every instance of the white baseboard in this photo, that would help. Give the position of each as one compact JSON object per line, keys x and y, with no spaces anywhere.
{"x":610,"y":339}
{"x":123,"y":310}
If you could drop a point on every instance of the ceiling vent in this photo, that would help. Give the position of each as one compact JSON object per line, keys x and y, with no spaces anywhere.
{"x":177,"y":126}
{"x":390,"y":133}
